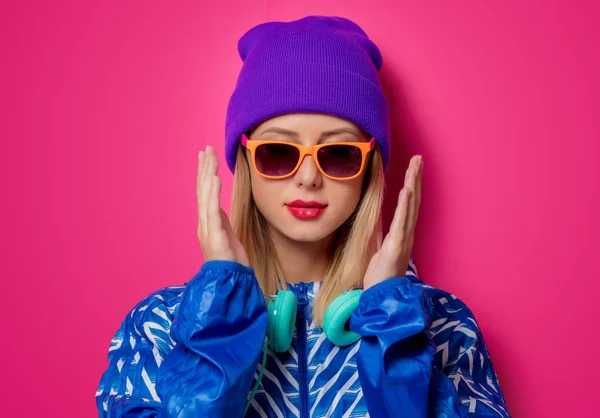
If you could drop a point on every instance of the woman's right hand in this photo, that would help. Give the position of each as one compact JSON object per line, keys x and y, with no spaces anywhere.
{"x":215,"y":234}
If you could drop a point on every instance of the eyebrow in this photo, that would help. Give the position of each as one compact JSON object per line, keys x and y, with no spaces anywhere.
{"x":324,"y":135}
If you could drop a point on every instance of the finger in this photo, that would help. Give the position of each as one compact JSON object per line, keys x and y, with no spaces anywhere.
{"x":215,"y":160}
{"x":412,"y":183}
{"x":418,"y":189}
{"x":416,"y":201}
{"x":408,"y":172}
{"x":398,"y":227}
{"x":210,"y":155}
{"x":214,"y":204}
{"x":205,"y":165}
{"x":201,"y":166}
{"x":205,"y":193}
{"x":201,"y":163}
{"x":211,"y":151}
{"x":409,"y":181}
{"x":201,"y":159}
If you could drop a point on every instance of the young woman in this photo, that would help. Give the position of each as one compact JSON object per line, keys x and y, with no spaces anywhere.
{"x":302,"y":308}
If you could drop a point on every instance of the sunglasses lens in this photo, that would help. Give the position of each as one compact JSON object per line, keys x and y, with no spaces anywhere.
{"x":340,"y":160}
{"x":276,"y":159}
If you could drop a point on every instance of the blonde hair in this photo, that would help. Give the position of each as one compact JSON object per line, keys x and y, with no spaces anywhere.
{"x":349,"y":259}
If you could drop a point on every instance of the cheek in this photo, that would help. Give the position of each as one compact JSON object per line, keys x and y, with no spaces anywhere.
{"x":344,"y":197}
{"x":266,"y":193}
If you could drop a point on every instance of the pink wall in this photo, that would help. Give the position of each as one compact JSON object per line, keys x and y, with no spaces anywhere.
{"x":104,"y":108}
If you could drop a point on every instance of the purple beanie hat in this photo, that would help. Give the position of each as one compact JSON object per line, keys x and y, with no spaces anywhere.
{"x":320,"y":64}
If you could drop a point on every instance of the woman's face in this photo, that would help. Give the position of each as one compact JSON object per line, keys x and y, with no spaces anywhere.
{"x":274,"y":197}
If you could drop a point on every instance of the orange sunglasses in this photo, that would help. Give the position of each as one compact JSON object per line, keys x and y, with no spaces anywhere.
{"x":336,"y":160}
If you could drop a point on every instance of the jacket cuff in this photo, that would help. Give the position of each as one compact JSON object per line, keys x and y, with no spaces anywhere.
{"x":225,"y":265}
{"x":393,"y":303}
{"x":385,"y":285}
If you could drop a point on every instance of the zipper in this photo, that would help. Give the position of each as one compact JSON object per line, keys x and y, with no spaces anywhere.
{"x":301,"y":341}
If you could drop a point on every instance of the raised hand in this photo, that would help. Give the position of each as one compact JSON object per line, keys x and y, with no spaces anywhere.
{"x":393,"y":257}
{"x":215,"y":234}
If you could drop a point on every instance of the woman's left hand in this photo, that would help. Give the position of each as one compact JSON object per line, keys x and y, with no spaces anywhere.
{"x":393,"y":257}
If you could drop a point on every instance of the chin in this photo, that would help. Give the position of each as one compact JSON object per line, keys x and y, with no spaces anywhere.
{"x":305,"y":231}
{"x":303,"y":234}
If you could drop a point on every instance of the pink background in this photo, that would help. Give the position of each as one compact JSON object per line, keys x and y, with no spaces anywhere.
{"x":105,"y":106}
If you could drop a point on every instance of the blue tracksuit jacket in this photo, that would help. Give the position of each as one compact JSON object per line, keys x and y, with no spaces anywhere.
{"x":195,"y":350}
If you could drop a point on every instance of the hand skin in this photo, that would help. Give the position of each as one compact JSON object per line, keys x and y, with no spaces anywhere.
{"x":215,"y":234}
{"x":393,"y":257}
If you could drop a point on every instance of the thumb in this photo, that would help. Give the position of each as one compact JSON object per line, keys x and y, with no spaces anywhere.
{"x":370,"y":269}
{"x":234,"y":242}
{"x":226,"y":224}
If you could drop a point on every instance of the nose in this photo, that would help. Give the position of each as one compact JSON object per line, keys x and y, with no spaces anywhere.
{"x":308,"y":175}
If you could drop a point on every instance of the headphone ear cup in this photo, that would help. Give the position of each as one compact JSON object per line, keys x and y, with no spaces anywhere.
{"x":282,"y":321}
{"x":337,"y":316}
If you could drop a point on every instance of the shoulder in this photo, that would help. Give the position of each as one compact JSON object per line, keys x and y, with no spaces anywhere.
{"x":461,"y":351}
{"x":146,"y":327}
{"x":151,"y":317}
{"x":453,"y":328}
{"x":449,"y":312}
{"x":444,"y":307}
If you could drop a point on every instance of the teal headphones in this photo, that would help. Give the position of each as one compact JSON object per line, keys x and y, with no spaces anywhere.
{"x":282,"y":322}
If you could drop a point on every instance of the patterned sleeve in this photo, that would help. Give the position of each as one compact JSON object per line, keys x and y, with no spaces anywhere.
{"x":461,"y":357}
{"x":167,"y":358}
{"x":137,"y":349}
{"x":422,"y":353}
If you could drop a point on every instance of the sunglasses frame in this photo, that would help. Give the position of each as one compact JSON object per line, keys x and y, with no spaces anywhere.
{"x":312,"y":150}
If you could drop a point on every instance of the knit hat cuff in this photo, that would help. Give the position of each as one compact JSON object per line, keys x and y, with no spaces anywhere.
{"x":288,"y":87}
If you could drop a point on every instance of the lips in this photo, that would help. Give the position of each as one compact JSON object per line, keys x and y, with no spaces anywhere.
{"x":303,"y":204}
{"x":306,"y":210}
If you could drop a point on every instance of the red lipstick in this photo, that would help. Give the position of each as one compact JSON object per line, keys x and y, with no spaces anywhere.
{"x":306,"y":210}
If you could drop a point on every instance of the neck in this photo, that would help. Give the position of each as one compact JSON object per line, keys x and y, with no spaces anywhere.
{"x":302,"y":261}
